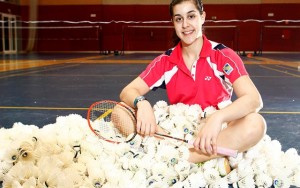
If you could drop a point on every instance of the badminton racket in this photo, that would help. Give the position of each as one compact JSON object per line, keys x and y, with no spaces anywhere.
{"x":112,"y":121}
{"x":115,"y":122}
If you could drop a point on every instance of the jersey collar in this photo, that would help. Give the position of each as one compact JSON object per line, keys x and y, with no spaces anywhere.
{"x":176,"y":55}
{"x":206,"y":48}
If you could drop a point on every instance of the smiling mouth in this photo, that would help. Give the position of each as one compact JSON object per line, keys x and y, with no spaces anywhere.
{"x":187,"y":32}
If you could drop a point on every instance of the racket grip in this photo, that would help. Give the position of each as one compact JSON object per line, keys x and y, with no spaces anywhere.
{"x":220,"y":150}
{"x":227,"y":152}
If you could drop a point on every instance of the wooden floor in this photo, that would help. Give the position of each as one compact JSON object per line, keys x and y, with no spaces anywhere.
{"x":20,"y":62}
{"x":37,"y":88}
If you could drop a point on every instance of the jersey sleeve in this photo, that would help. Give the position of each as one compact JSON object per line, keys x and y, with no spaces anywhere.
{"x":232,"y":65}
{"x":153,"y":75}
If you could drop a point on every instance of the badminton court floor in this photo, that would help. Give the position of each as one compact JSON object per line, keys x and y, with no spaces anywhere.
{"x":37,"y":88}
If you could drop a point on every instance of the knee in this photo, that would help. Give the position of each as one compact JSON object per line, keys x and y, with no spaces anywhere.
{"x":256,"y":125}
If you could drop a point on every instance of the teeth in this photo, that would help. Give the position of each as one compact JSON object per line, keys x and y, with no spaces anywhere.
{"x":187,"y":32}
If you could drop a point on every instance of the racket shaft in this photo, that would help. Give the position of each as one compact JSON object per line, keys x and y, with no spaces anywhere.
{"x":168,"y":136}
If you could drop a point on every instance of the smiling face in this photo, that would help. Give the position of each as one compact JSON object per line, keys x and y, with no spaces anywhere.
{"x":188,"y":22}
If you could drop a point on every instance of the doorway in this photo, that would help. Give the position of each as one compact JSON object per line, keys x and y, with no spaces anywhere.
{"x":9,"y":34}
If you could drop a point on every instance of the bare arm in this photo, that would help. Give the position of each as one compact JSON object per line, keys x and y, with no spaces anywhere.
{"x":136,"y":88}
{"x":146,"y":124}
{"x":248,"y":101}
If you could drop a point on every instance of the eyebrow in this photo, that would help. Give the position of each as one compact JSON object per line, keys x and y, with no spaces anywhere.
{"x":187,"y":13}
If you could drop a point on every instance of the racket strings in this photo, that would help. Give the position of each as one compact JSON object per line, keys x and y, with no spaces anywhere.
{"x":124,"y":121}
{"x":101,"y":117}
{"x":112,"y":121}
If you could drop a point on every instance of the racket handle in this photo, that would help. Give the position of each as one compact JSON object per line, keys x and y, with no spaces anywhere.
{"x":227,"y":151}
{"x":220,"y":150}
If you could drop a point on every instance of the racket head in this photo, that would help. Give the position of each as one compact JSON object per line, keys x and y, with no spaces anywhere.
{"x":112,"y":121}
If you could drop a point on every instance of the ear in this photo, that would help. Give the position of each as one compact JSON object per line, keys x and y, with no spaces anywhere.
{"x":203,"y":15}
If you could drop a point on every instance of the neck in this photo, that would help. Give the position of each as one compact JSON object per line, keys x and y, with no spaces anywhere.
{"x":192,"y":51}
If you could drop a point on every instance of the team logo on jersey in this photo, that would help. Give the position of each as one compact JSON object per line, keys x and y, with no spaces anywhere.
{"x":227,"y":69}
{"x":207,"y":78}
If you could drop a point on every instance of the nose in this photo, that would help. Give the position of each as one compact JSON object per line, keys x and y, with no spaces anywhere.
{"x":185,"y":23}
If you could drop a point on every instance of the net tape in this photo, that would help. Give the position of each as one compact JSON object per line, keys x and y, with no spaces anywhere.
{"x":149,"y":22}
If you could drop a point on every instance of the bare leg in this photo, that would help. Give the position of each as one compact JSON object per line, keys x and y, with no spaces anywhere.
{"x":239,"y":135}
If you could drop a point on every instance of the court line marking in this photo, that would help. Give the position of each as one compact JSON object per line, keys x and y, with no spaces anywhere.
{"x":274,"y":69}
{"x":266,"y":60}
{"x":13,"y":65}
{"x":61,"y":66}
{"x":26,"y":64}
{"x":84,"y":75}
{"x":287,"y":68}
{"x":114,"y":61}
{"x":37,"y":71}
{"x":127,"y":75}
{"x":274,"y":112}
{"x":39,"y":108}
{"x":72,"y":108}
{"x":287,"y":76}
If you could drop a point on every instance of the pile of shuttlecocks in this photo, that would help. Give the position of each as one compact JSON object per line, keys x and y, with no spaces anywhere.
{"x":68,"y":154}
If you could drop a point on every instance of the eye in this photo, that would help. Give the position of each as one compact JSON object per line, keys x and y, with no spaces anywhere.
{"x":178,"y":19}
{"x":192,"y":16}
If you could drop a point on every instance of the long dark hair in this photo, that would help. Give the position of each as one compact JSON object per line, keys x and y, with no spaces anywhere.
{"x":197,"y":3}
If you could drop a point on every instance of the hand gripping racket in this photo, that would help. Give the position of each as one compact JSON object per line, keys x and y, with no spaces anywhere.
{"x":115,"y":122}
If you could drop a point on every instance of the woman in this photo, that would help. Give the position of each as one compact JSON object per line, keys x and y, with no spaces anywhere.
{"x":199,"y":71}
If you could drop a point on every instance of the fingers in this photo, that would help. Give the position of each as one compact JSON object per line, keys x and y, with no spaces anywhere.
{"x":145,"y":128}
{"x":214,"y":145}
{"x":153,"y":129}
{"x":205,"y":145}
{"x":138,"y":127}
{"x":207,"y":136}
{"x":208,"y":146}
{"x":146,"y":123}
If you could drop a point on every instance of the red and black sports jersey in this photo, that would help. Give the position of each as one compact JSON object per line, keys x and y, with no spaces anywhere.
{"x":208,"y":83}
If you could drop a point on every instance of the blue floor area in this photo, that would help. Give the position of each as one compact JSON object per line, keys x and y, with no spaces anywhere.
{"x":38,"y":96}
